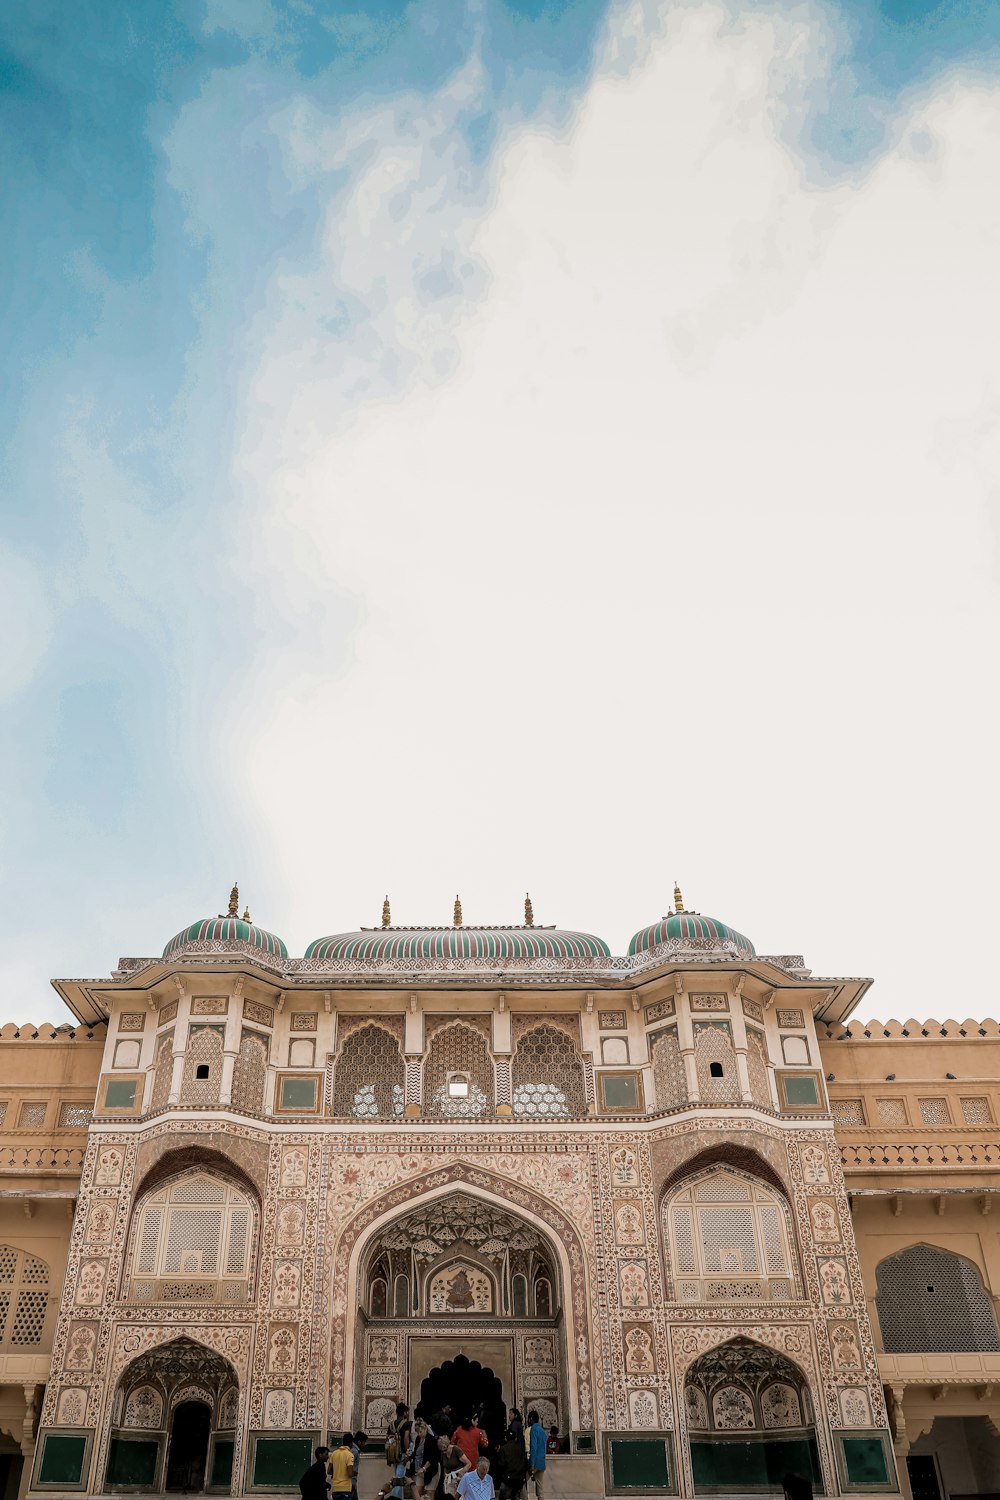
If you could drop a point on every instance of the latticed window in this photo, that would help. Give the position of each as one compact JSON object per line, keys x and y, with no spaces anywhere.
{"x":458,"y":1053}
{"x":931,"y":1301}
{"x":729,"y":1240}
{"x":669,"y":1079}
{"x":976,"y":1111}
{"x":848,"y":1111}
{"x":196,"y":1227}
{"x":760,"y":1089}
{"x":715,"y":1060}
{"x":891,"y":1111}
{"x":250,"y":1073}
{"x":75,"y":1116}
{"x":163,"y":1071}
{"x":934,"y":1112}
{"x":202,"y":1066}
{"x":547,"y":1075}
{"x":370,"y":1075}
{"x":24,"y":1297}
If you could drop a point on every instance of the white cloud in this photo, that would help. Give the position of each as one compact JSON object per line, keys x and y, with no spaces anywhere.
{"x":675,"y":540}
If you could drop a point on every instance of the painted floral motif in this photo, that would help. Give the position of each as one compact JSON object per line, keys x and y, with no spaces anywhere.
{"x":287,"y":1283}
{"x":90,"y":1286}
{"x":80,"y":1353}
{"x":846,"y":1353}
{"x":291,"y":1224}
{"x":696,"y":1408}
{"x":281,"y":1349}
{"x":628,"y":1224}
{"x":144,"y":1408}
{"x":732,"y":1407}
{"x":624,"y":1172}
{"x":780,"y":1406}
{"x":634,"y":1284}
{"x":72,"y":1408}
{"x":293,"y":1167}
{"x":824,"y":1221}
{"x":102,"y":1221}
{"x":109,"y":1167}
{"x":814,"y":1164}
{"x":278,"y":1407}
{"x":833,"y":1282}
{"x":642,"y":1409}
{"x":639,"y":1352}
{"x":855,"y":1408}
{"x":228,"y":1409}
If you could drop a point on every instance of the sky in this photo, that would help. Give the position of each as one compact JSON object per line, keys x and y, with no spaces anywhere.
{"x":497,"y":446}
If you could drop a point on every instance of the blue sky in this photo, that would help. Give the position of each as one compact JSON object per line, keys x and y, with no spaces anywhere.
{"x":256,"y":631}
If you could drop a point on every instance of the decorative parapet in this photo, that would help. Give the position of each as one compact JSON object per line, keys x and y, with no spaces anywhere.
{"x":46,"y":1031}
{"x":41,"y":1160}
{"x":542,"y":968}
{"x":865,"y":1031}
{"x":873,"y":1156}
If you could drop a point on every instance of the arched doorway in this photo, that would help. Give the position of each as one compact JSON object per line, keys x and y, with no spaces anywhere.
{"x":749,"y":1419}
{"x":174,"y":1421}
{"x":469,"y":1388}
{"x":460,"y":1283}
{"x":187,"y":1453}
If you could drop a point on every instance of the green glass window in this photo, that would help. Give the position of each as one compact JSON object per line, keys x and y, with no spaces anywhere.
{"x":299,"y":1093}
{"x":119,"y":1093}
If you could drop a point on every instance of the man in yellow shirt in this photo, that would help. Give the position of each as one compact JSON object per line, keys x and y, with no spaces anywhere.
{"x":340,"y":1470}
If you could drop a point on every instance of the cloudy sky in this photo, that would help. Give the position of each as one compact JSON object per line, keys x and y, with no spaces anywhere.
{"x":489,"y":445}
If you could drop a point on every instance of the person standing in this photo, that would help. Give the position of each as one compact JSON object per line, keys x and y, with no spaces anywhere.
{"x":471,"y":1439}
{"x":441,"y":1422}
{"x":477,"y":1484}
{"x":512,"y":1465}
{"x":538,"y":1441}
{"x":341,"y":1468}
{"x":313,"y":1482}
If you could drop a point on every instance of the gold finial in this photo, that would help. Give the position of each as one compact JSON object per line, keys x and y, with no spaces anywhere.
{"x":386,"y":914}
{"x":529,"y":912}
{"x":678,"y":898}
{"x":457,"y":914}
{"x":234,"y":902}
{"x":246,"y":913}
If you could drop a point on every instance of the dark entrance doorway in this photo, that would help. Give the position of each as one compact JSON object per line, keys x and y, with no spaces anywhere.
{"x":466,"y":1386}
{"x":188,"y":1454}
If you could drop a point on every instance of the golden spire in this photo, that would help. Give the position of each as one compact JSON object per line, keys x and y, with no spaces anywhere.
{"x":386,"y":914}
{"x":457,"y":914}
{"x":529,"y":912}
{"x":246,"y":913}
{"x":234,"y":902}
{"x":678,"y":898}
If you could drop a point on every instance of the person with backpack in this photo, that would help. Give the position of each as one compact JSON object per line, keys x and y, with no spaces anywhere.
{"x":398,"y":1437}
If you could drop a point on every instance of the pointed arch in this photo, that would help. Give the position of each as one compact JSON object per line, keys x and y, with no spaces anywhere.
{"x":459,"y":1054}
{"x":547,"y":1074}
{"x":728,"y":1236}
{"x":369,"y":1079}
{"x":932,"y":1300}
{"x":350,"y":1255}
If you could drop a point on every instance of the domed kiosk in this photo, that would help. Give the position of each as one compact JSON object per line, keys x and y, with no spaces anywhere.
{"x":228,"y":929}
{"x":516,"y":944}
{"x":682,"y":930}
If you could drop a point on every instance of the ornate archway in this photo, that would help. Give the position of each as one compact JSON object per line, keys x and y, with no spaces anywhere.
{"x":571,"y":1343}
{"x":749,"y":1419}
{"x":174,"y":1419}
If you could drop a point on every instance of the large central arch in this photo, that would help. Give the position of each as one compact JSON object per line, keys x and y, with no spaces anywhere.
{"x":477,"y":1184}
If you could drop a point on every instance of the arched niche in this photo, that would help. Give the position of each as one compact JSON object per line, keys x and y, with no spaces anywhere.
{"x":932,"y":1300}
{"x":191,"y":1238}
{"x":728,"y":1237}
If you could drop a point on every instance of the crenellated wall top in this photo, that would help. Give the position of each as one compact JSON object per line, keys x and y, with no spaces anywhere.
{"x":858,"y":1031}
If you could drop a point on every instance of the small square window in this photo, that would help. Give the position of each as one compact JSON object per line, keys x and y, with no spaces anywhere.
{"x":120,"y":1093}
{"x":298,"y":1095}
{"x":620,"y":1092}
{"x":458,"y":1088}
{"x":201,"y":1071}
{"x":800,"y":1091}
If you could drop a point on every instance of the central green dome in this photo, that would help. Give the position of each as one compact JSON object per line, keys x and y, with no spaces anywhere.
{"x":491,"y":944}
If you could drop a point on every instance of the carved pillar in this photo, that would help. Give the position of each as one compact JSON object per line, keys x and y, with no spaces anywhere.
{"x":181,"y":1025}
{"x":231,"y":1042}
{"x":900,"y":1437}
{"x":685,"y":1041}
{"x":740,"y":1047}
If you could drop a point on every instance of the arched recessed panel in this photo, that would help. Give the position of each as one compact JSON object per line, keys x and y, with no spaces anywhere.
{"x":933,"y":1301}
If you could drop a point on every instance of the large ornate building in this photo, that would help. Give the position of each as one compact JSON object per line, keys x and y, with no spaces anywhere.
{"x":669,"y":1199}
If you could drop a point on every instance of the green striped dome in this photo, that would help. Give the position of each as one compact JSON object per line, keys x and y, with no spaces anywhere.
{"x":691,"y":926}
{"x":226,"y":930}
{"x":503,"y":944}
